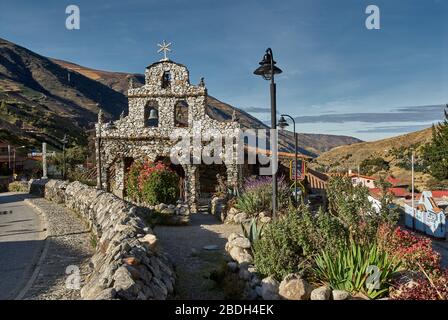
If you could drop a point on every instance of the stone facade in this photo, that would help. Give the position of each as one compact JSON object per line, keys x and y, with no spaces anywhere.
{"x":167,"y":88}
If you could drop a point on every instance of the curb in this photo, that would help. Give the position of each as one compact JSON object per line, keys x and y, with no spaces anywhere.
{"x":43,"y":254}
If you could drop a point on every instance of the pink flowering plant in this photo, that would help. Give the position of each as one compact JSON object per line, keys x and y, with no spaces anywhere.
{"x":152,"y":183}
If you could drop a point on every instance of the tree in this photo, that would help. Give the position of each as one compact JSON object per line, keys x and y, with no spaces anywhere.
{"x":435,"y":153}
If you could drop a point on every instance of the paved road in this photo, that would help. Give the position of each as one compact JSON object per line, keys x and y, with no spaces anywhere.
{"x":20,"y":243}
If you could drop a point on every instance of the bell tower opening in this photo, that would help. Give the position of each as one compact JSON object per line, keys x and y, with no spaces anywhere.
{"x":166,"y":79}
{"x":151,"y":115}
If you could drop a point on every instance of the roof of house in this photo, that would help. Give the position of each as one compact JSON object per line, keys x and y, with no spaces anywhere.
{"x":397,"y":192}
{"x":395,"y":181}
{"x":320,"y":175}
{"x":361,"y":176}
{"x":439,"y":193}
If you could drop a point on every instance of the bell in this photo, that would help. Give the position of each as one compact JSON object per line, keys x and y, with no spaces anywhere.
{"x":153,"y":115}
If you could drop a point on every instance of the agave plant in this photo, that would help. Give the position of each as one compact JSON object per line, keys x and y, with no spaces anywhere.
{"x":253,"y":232}
{"x":357,"y":268}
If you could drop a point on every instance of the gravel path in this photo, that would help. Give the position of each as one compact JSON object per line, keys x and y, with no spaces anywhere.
{"x":185,"y":245}
{"x":68,"y":243}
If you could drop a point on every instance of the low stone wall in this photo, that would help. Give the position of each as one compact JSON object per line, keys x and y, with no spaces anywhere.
{"x":127,"y":263}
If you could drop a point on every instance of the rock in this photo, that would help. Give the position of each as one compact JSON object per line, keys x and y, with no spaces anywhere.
{"x":321,"y":293}
{"x":259,"y":291}
{"x":124,"y":285}
{"x":150,"y":240}
{"x":159,"y":207}
{"x":229,"y":218}
{"x":168,"y":211}
{"x":294,"y":287}
{"x":340,"y":295}
{"x":270,"y":289}
{"x":106,"y":294}
{"x":244,"y":274}
{"x":233,"y":236}
{"x":233,"y":266}
{"x":233,"y":211}
{"x":240,"y":255}
{"x":240,"y":217}
{"x":131,"y":261}
{"x":241,"y":242}
{"x":265,"y":219}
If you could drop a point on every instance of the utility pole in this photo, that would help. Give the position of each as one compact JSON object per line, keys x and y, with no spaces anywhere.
{"x":412,"y":191}
{"x":44,"y":160}
{"x":9,"y":157}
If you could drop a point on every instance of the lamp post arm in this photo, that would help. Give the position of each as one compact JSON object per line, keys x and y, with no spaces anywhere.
{"x":295,"y":154}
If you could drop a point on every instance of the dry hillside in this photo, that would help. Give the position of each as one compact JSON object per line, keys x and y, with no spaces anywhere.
{"x":350,"y":156}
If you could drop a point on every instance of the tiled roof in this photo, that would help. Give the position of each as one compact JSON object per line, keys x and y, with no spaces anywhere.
{"x":397,"y":192}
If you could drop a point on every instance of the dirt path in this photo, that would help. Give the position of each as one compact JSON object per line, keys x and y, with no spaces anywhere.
{"x":194,"y":264}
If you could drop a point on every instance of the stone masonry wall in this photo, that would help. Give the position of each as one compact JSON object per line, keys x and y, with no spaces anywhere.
{"x":127,"y":263}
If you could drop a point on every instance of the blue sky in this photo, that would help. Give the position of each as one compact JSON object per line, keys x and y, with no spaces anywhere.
{"x":339,"y":77}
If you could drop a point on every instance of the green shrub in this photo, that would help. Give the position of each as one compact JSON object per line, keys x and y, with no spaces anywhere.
{"x":18,"y":186}
{"x":289,"y":243}
{"x":357,"y":268}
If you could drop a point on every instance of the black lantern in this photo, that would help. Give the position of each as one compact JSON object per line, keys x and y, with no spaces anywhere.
{"x":267,"y":66}
{"x":282,"y":123}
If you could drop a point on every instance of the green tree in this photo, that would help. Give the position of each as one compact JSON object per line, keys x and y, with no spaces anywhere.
{"x":435,"y":153}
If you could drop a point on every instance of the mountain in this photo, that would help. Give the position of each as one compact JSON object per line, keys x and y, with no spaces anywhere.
{"x":347,"y":157}
{"x":41,"y":99}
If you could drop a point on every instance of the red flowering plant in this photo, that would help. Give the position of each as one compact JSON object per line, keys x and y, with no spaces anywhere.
{"x":152,"y":183}
{"x":413,"y":250}
{"x":433,"y":287}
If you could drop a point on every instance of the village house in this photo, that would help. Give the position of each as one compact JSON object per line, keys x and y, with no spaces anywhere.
{"x":426,"y":216}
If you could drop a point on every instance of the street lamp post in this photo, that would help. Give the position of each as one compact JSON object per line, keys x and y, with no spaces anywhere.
{"x":14,"y":157}
{"x":268,"y":70}
{"x":282,"y":123}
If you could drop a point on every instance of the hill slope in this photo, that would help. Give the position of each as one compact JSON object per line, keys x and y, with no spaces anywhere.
{"x":350,"y":156}
{"x":42,"y":100}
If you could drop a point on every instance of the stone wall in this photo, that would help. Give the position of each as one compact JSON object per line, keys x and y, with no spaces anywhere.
{"x":127,"y":263}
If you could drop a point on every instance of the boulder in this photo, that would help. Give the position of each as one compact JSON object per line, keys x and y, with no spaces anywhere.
{"x":241,"y":242}
{"x":294,"y":287}
{"x":150,"y":241}
{"x":240,"y":217}
{"x":168,"y":211}
{"x":270,"y":289}
{"x":233,"y":211}
{"x":321,"y":293}
{"x":340,"y":295}
{"x":124,"y":285}
{"x":240,"y":255}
